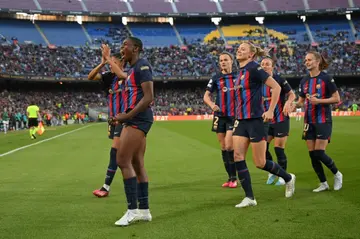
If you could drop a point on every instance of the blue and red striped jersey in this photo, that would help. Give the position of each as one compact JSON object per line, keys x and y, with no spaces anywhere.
{"x":114,"y":90}
{"x":139,"y":73}
{"x":248,"y":91}
{"x":223,"y":84}
{"x":285,"y":89}
{"x":321,"y":86}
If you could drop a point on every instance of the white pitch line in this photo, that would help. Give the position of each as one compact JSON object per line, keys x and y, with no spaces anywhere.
{"x":42,"y":141}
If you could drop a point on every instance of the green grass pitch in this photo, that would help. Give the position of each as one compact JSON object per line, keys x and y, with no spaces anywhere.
{"x":46,"y":189}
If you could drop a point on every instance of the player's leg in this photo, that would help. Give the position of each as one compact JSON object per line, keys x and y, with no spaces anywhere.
{"x":130,"y":139}
{"x":309,"y":135}
{"x":143,"y":182}
{"x":230,"y":151}
{"x":258,"y":145}
{"x":114,"y":134}
{"x":241,"y":145}
{"x":224,"y":156}
{"x":322,"y":140}
{"x":219,"y":126}
{"x":281,"y":135}
{"x":270,"y":136}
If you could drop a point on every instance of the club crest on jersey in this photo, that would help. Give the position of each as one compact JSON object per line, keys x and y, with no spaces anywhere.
{"x":318,"y":86}
{"x":224,"y":89}
{"x":111,"y":91}
{"x":242,"y":77}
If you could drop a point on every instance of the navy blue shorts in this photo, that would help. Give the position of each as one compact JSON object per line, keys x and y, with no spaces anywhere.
{"x":266,"y":128}
{"x":279,"y":130}
{"x":317,"y":131}
{"x":221,"y":124}
{"x":254,"y":129}
{"x":114,"y":130}
{"x":142,"y":125}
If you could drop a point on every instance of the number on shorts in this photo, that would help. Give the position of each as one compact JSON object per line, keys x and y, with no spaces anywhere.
{"x":236,"y":123}
{"x":216,"y":122}
{"x":306,"y":127}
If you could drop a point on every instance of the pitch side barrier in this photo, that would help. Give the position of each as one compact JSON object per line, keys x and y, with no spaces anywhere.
{"x":211,"y":117}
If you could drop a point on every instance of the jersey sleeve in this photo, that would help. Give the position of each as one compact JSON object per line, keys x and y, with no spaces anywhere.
{"x":301,"y":89}
{"x":285,"y":86}
{"x":211,"y":85}
{"x":260,"y":75}
{"x":143,"y":72}
{"x":331,"y":86}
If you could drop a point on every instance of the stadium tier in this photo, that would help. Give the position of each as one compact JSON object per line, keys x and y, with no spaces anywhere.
{"x":182,"y":49}
{"x":181,"y":6}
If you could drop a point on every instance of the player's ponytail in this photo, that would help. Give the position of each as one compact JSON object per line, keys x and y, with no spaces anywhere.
{"x":259,"y":52}
{"x":324,"y":64}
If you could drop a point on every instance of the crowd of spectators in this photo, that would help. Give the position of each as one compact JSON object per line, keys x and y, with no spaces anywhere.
{"x":198,"y":58}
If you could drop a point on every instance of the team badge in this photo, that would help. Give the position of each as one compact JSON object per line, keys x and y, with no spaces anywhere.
{"x":242,"y":77}
{"x":224,"y":89}
{"x":111,"y":91}
{"x":318,"y":86}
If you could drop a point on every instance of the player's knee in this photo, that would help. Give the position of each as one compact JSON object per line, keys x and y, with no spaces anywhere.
{"x":122,"y":164}
{"x":260,"y":163}
{"x":238,"y":156}
{"x":228,"y":147}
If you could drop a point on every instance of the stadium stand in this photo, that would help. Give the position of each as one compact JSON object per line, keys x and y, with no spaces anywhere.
{"x":67,"y":49}
{"x":181,"y":5}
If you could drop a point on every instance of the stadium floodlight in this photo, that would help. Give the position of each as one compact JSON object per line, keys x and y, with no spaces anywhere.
{"x":303,"y":18}
{"x":260,"y":20}
{"x":22,"y":14}
{"x":171,"y":21}
{"x":216,"y":20}
{"x":79,"y":19}
{"x":124,"y":21}
{"x":348,"y":15}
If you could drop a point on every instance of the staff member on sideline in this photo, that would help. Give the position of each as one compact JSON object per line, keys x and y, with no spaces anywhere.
{"x":33,"y":114}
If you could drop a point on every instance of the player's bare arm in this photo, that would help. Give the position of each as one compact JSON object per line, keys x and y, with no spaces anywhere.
{"x":115,"y":68}
{"x":95,"y":73}
{"x":288,"y":104}
{"x":334,"y":99}
{"x":209,"y":102}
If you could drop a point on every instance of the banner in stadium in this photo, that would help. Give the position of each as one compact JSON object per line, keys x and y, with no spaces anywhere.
{"x":210,"y":117}
{"x":189,"y":14}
